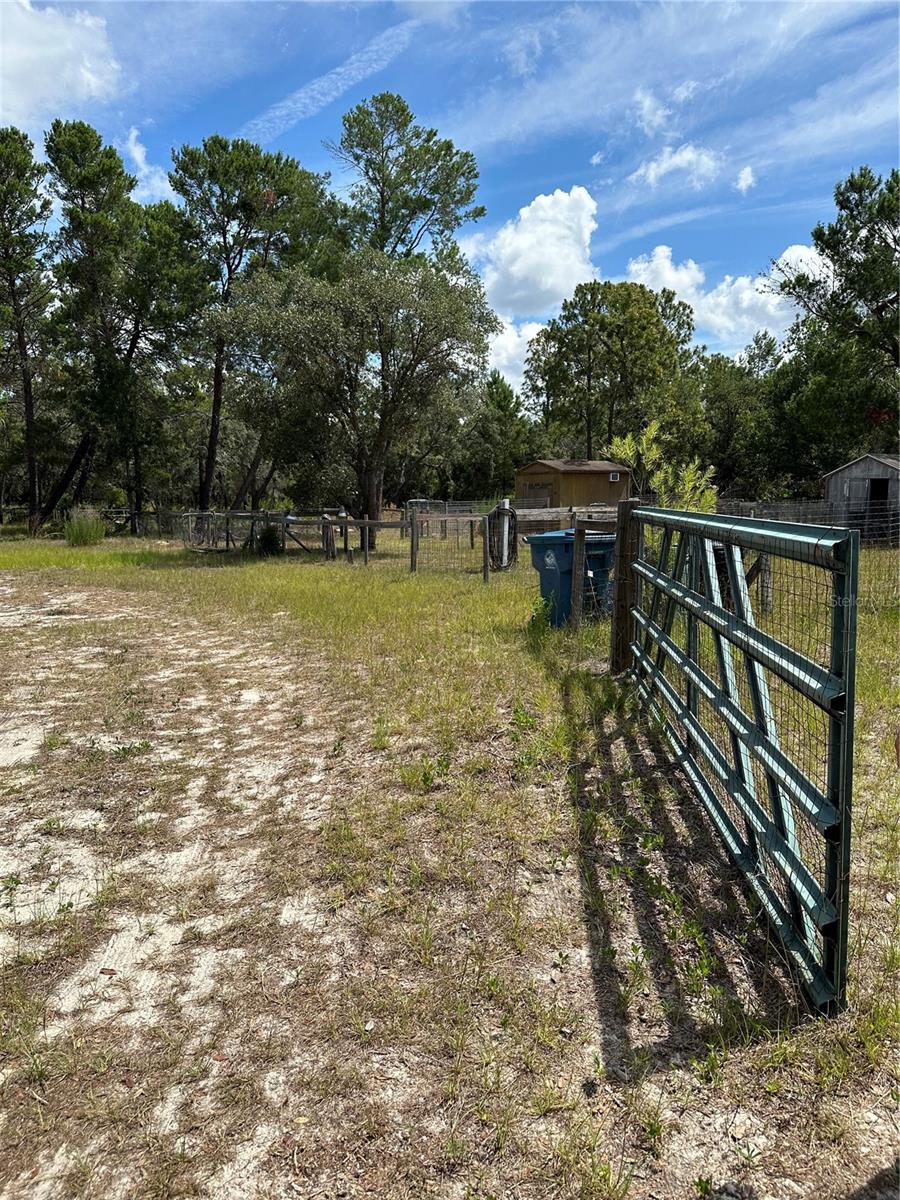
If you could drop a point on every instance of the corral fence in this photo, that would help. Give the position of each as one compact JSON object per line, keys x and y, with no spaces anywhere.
{"x":740,"y":634}
{"x":462,"y":542}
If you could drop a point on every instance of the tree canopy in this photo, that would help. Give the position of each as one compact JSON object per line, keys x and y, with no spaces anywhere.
{"x":262,"y":340}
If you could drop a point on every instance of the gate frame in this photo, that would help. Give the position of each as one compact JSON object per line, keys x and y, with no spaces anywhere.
{"x":832,"y":689}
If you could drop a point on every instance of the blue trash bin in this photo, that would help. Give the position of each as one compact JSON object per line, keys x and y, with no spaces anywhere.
{"x":552,"y":557}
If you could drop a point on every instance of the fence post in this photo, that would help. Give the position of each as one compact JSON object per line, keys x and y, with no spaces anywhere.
{"x":486,"y":549}
{"x":471,"y":535}
{"x":365,"y":540}
{"x":578,"y":559}
{"x":504,"y":533}
{"x":413,"y":541}
{"x":628,"y":539}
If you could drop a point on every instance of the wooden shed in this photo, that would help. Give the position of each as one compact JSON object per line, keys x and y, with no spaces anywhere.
{"x":871,"y":480}
{"x":572,"y":482}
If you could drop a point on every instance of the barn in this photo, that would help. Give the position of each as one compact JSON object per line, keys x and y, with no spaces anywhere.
{"x":572,"y":482}
{"x":865,"y":492}
{"x":871,"y":479}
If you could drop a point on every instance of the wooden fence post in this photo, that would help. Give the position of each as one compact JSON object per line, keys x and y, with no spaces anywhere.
{"x":471,"y":535}
{"x":413,"y":541}
{"x":628,"y":541}
{"x":578,"y":564}
{"x":486,"y":549}
{"x":365,"y":540}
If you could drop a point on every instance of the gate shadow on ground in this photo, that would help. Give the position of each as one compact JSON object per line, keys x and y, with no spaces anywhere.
{"x":702,"y":972}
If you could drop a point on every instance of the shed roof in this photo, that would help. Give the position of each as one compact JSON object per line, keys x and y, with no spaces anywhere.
{"x":577,"y":466}
{"x":887,"y":460}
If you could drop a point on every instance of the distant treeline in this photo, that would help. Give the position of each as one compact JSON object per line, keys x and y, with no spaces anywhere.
{"x":262,"y":340}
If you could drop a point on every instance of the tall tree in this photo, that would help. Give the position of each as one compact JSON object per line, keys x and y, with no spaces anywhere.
{"x":412,"y":187}
{"x":247,"y":207}
{"x":24,"y":290}
{"x":95,"y":238}
{"x":496,"y":438}
{"x":602,"y":358}
{"x":128,"y":288}
{"x":377,"y":347}
{"x":853,"y":287}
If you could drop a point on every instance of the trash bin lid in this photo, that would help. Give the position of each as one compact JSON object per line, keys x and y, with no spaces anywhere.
{"x":557,"y":537}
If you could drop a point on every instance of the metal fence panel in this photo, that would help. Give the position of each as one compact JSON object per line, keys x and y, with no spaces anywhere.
{"x":743,"y":645}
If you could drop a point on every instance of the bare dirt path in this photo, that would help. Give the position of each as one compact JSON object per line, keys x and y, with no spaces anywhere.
{"x":166,"y":783}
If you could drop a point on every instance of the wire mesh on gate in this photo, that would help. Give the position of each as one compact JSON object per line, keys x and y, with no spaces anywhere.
{"x":744,"y":640}
{"x":877,"y":522}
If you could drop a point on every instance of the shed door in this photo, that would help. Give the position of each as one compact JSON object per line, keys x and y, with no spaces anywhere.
{"x":878,"y":491}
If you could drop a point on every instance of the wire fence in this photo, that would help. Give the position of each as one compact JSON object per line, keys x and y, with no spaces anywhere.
{"x":876,"y":521}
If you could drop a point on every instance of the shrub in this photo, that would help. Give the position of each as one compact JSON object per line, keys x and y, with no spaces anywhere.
{"x":268,"y":541}
{"x":84,"y":527}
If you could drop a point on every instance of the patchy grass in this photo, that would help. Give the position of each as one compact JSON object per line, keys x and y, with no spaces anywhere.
{"x":317,"y":881}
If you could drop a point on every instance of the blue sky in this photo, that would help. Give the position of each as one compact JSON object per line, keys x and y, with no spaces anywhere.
{"x":683,"y":145}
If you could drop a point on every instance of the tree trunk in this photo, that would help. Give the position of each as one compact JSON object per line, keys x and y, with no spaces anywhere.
{"x":28,"y":403}
{"x":610,"y":421}
{"x":589,"y":408}
{"x":371,"y":489}
{"x":258,"y":492}
{"x":209,"y":470}
{"x":249,"y":475}
{"x":82,"y":450}
{"x":83,"y":476}
{"x":138,"y":479}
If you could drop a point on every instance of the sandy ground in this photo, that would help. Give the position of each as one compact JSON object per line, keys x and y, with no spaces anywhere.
{"x":194,"y":1006}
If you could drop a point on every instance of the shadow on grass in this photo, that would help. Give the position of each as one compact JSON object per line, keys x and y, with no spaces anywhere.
{"x":655,"y":877}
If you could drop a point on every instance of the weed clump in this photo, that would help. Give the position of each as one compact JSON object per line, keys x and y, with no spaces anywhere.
{"x":84,"y":527}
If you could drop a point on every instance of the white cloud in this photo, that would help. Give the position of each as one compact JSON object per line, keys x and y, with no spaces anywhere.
{"x":510,"y":346}
{"x":698,"y":164}
{"x":735,"y":308}
{"x":745,"y":179}
{"x":320,"y":92}
{"x":597,"y":158}
{"x":152,"y":180}
{"x":651,"y":113}
{"x":523,"y":50}
{"x":534,"y":261}
{"x":685,"y":90}
{"x":594,"y":54}
{"x":53,"y":62}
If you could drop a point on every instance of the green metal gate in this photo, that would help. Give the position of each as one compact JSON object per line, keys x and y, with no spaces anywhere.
{"x":744,"y":646}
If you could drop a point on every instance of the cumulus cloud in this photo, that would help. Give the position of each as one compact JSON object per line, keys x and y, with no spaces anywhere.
{"x":699,"y":165}
{"x":534,"y":261}
{"x":735,"y":308}
{"x":53,"y":62}
{"x":152,"y":180}
{"x":509,"y":348}
{"x":651,"y":113}
{"x":745,"y":179}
